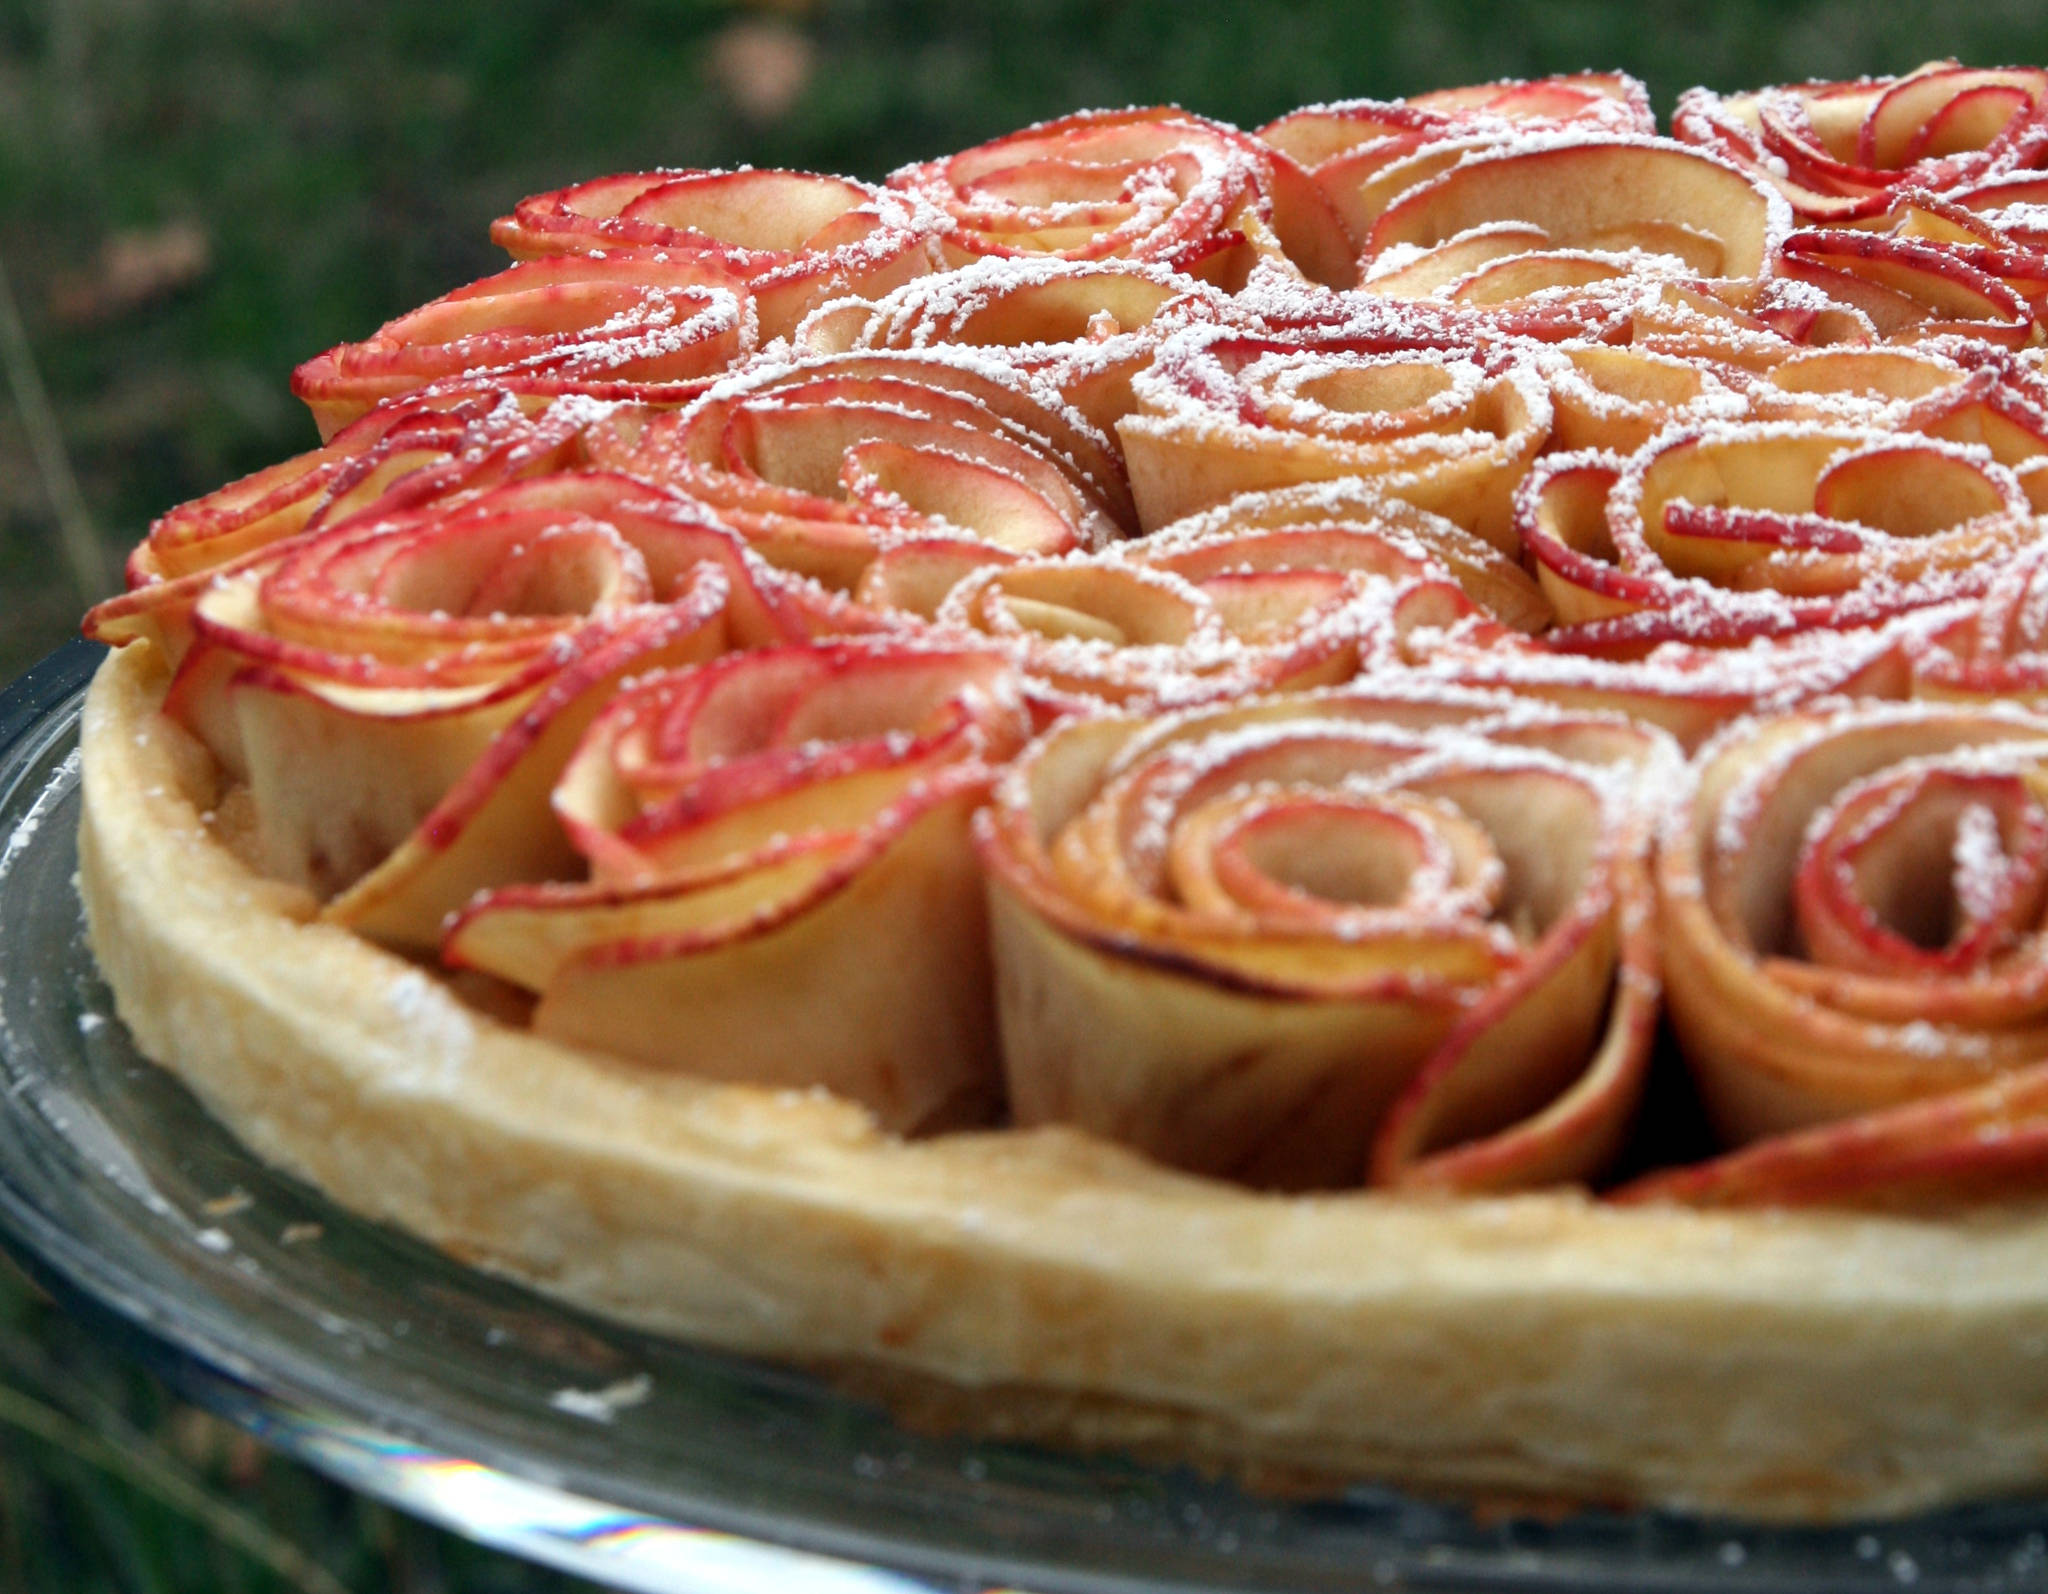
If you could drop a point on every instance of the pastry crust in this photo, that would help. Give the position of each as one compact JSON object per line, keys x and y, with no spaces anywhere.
{"x":1773,"y":1364}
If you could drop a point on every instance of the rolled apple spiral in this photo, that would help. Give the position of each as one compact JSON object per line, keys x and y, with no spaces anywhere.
{"x":1722,"y":534}
{"x":397,"y":693}
{"x":1448,"y":429}
{"x":637,"y":327}
{"x":1274,"y":592}
{"x":1083,"y":327}
{"x":1592,"y":192}
{"x":821,"y":463}
{"x":781,"y":887}
{"x":1334,"y":936}
{"x":797,"y":238}
{"x":1345,"y":145}
{"x":1853,"y":911}
{"x":1158,"y":184}
{"x":1839,"y":151}
{"x":439,"y":449}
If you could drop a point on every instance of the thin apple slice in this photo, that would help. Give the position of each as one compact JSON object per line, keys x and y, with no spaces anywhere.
{"x":780,"y":821}
{"x":1579,"y":190}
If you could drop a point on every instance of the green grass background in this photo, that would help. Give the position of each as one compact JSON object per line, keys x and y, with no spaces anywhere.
{"x":195,"y":195}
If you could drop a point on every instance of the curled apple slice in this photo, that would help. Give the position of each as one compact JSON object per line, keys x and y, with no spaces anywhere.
{"x":1345,"y":144}
{"x":1083,"y":327}
{"x":1156,"y":184}
{"x":797,"y":238}
{"x":1688,"y":689}
{"x":1221,"y":413}
{"x":1594,"y":192}
{"x":435,"y":449}
{"x":1852,"y":905}
{"x":1415,"y":543}
{"x":1908,"y":288}
{"x":636,"y":327}
{"x":1996,"y":650}
{"x":1763,"y":529}
{"x":2016,"y":206}
{"x":397,"y":692}
{"x":782,"y":888}
{"x":1840,"y":151}
{"x":1276,"y":591}
{"x":1618,"y":398}
{"x":821,"y":463}
{"x":1308,"y":938}
{"x":1870,"y":386}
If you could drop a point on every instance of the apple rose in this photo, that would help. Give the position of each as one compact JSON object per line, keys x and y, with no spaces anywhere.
{"x":1083,"y":327}
{"x":1220,"y":413}
{"x":1200,"y":196}
{"x":1272,"y":592}
{"x":1723,"y":534}
{"x":797,"y":238}
{"x":1751,"y":324}
{"x":1416,"y":544}
{"x":397,"y":693}
{"x":1333,"y":936}
{"x":781,"y":883}
{"x":1839,"y":151}
{"x":1852,"y":904}
{"x":1595,"y":192}
{"x":609,"y":326}
{"x":1994,"y":239}
{"x":1909,"y":289}
{"x":434,"y":449}
{"x":1345,"y":144}
{"x":821,"y":463}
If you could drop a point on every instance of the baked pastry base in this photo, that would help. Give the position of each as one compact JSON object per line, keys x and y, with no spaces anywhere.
{"x":1774,"y":1365}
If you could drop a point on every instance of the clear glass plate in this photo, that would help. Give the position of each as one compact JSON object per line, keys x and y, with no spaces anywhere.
{"x":648,"y":1464}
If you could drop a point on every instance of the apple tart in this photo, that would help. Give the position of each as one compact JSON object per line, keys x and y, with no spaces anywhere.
{"x":1360,"y":801}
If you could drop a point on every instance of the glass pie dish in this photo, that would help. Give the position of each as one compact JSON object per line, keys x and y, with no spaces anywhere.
{"x":640,"y":1462}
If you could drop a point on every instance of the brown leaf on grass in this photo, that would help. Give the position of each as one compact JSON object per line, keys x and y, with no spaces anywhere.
{"x":763,"y":65}
{"x":135,"y":267}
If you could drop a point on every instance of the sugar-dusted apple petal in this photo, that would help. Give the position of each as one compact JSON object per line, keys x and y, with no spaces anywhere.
{"x":1083,"y":327}
{"x":1344,"y":144}
{"x":627,"y":326}
{"x":1221,"y":413}
{"x":798,"y":238}
{"x":1592,"y":192}
{"x":1605,"y":397}
{"x":1839,"y":152}
{"x":822,"y":463}
{"x":1382,"y":535}
{"x":783,"y":824}
{"x":1851,"y":902}
{"x":441,"y":448}
{"x":1909,"y":289}
{"x":1156,"y":184}
{"x":1236,"y":939}
{"x":1727,"y":534}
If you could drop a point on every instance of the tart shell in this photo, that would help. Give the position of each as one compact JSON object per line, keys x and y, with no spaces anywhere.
{"x":1038,"y":1283}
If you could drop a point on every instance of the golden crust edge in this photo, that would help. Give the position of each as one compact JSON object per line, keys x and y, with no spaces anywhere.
{"x":1776,"y":1366}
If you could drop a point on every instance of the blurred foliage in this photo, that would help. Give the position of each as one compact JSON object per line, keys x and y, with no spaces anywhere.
{"x":108,"y":1483}
{"x":195,"y":195}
